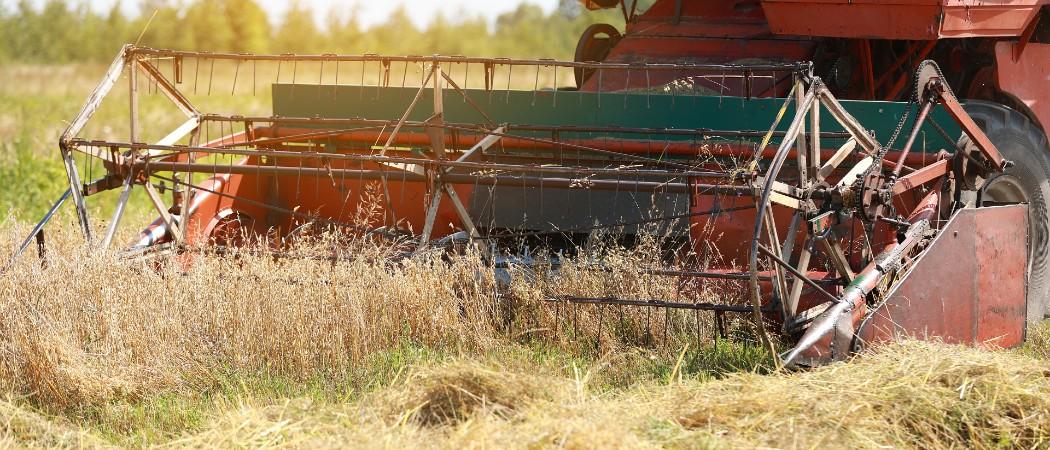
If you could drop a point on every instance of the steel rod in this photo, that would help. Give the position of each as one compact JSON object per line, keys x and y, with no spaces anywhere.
{"x":911,"y":139}
{"x":798,"y":275}
{"x":161,"y":53}
{"x":583,"y":170}
{"x":654,"y":303}
{"x":514,"y":127}
{"x":118,"y":213}
{"x":40,"y":225}
{"x":502,"y":180}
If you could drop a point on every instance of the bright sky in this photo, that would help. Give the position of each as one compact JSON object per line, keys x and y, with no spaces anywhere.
{"x":369,"y":11}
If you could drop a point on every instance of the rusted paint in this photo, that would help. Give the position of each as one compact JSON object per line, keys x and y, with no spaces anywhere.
{"x":1026,"y":77}
{"x":920,"y":177}
{"x":968,"y":287}
{"x":900,"y":19}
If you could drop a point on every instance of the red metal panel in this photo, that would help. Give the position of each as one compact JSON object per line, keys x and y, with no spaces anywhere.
{"x":1001,"y":254}
{"x":1026,"y":77}
{"x":900,"y":19}
{"x":917,"y":20}
{"x":968,"y":287}
{"x":970,"y":18}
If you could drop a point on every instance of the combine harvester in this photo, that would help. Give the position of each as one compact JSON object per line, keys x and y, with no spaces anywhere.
{"x":866,"y":169}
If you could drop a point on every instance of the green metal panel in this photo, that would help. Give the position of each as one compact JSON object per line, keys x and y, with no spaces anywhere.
{"x":569,"y":108}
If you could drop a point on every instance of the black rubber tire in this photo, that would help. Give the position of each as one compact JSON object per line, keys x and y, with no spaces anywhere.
{"x":1021,"y":141}
{"x":592,"y":48}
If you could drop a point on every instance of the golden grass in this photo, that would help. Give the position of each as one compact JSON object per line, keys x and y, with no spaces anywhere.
{"x":910,"y":395}
{"x":91,"y":328}
{"x":21,"y":426}
{"x":254,"y":351}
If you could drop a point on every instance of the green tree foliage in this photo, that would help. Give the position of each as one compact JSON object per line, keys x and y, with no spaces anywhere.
{"x":398,"y":35}
{"x":5,"y":35}
{"x":160,"y":25}
{"x":68,"y":30}
{"x":298,"y":32}
{"x":249,"y":26}
{"x":207,"y":25}
{"x":344,"y":33}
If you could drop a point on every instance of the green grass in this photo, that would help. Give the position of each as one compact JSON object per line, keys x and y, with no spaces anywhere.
{"x":38,"y":102}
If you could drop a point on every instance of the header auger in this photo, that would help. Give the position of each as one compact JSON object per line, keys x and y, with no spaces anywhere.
{"x":844,"y":220}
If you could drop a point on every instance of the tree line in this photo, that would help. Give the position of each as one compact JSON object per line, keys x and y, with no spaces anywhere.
{"x":62,"y":31}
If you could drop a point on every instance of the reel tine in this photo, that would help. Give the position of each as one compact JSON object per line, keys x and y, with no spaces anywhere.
{"x":575,"y":321}
{"x":211,"y":75}
{"x":379,"y":77}
{"x":236,"y":72}
{"x":648,"y":326}
{"x":536,"y":85}
{"x":696,"y":315}
{"x":510,"y":71}
{"x":649,"y":91}
{"x":176,"y":69}
{"x":721,"y":89}
{"x":335,"y":83}
{"x":667,"y":324}
{"x":598,"y":340}
{"x":554,"y":100}
{"x":627,"y":85}
{"x":196,"y":72}
{"x":599,"y":88}
{"x":557,"y":318}
{"x":295,"y":71}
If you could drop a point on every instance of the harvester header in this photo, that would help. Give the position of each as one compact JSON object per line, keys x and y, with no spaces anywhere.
{"x":832,"y":219}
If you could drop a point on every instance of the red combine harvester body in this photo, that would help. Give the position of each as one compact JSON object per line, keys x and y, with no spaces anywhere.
{"x":997,"y":55}
{"x":861,"y":169}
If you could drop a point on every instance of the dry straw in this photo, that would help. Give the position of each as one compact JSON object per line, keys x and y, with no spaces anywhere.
{"x":89,"y":327}
{"x":911,"y":395}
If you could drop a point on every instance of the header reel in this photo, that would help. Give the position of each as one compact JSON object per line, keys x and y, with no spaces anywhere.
{"x":828,"y":219}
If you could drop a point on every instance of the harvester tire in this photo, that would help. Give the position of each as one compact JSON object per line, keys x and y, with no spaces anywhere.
{"x":1028,"y":180}
{"x":594,"y":48}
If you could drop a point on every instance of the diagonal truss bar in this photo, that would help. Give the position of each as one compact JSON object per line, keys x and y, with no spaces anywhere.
{"x":167,"y":88}
{"x":470,"y":101}
{"x":865,"y":139}
{"x":77,"y":125}
{"x":39,"y":227}
{"x":840,"y":155}
{"x":799,"y":276}
{"x":116,"y":68}
{"x":404,"y":117}
{"x":482,"y":145}
{"x":165,"y":216}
